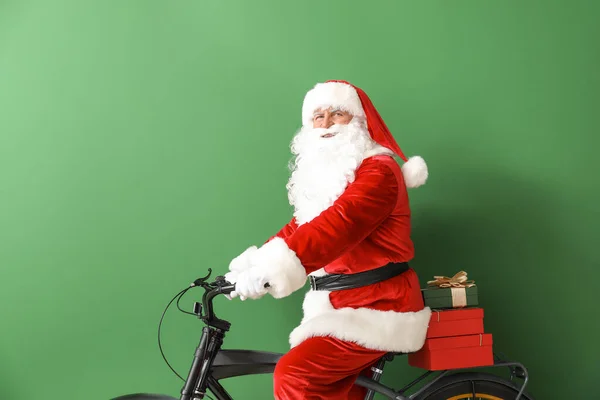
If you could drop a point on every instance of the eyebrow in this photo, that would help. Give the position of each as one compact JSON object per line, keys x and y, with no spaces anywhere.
{"x":332,"y":111}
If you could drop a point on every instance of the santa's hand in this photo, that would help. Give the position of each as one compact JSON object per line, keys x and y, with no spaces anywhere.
{"x":242,"y":262}
{"x":250,"y":284}
{"x":232,"y":277}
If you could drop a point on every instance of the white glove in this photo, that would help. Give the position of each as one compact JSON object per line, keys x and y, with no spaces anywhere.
{"x":242,"y":262}
{"x":232,"y":277}
{"x":250,"y":284}
{"x":237,"y":265}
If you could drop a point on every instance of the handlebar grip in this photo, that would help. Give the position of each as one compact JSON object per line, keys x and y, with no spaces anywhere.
{"x":231,"y":287}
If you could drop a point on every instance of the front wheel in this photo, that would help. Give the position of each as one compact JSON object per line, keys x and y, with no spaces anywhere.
{"x":473,"y":386}
{"x":144,"y":396}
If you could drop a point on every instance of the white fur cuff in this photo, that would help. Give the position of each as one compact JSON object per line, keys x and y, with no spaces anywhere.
{"x":242,"y":262}
{"x":280,"y":267}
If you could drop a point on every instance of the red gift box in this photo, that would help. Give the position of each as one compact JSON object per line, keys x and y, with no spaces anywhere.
{"x":466,"y":321}
{"x":454,"y":352}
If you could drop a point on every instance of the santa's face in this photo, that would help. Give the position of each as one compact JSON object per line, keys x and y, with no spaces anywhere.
{"x":326,"y":157}
{"x":325,"y":118}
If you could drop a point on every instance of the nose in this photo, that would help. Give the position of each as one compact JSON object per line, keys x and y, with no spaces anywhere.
{"x":327,"y":121}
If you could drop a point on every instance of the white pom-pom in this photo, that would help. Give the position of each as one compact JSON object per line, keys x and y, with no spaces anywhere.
{"x":415,"y":172}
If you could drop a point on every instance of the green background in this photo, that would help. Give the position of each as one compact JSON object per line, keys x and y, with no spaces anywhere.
{"x":142,"y":142}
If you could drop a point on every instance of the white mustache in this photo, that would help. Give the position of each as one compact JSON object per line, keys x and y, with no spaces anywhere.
{"x":334,"y":129}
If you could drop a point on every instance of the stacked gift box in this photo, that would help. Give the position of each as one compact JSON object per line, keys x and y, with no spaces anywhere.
{"x":455,"y":337}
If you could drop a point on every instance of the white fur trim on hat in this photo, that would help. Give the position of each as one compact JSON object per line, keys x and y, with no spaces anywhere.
{"x":415,"y":172}
{"x":331,"y":94}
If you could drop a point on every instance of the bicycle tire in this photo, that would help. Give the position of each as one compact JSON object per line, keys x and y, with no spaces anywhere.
{"x":144,"y":396}
{"x":487,"y":386}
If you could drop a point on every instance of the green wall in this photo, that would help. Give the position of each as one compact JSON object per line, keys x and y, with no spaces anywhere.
{"x":142,"y":142}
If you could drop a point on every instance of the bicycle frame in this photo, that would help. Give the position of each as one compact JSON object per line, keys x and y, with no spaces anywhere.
{"x":221,"y":364}
{"x":211,"y":363}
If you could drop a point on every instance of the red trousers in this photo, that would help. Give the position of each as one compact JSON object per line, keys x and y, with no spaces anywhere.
{"x":323,"y":368}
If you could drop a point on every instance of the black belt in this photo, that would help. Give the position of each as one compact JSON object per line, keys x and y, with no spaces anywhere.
{"x":352,"y":281}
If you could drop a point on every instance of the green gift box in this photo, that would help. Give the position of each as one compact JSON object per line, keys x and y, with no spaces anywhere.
{"x":451,"y":297}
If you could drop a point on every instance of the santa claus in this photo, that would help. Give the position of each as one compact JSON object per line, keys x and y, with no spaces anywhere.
{"x":350,"y":238}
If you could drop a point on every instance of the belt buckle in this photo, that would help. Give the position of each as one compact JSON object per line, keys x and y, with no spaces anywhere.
{"x":313,"y":283}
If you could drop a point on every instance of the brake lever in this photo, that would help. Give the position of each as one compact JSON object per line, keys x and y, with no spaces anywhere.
{"x":201,"y":281}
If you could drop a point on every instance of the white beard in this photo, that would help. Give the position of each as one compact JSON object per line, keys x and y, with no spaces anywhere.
{"x":323,"y":167}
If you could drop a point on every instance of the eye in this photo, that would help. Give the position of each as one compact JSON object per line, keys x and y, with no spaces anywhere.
{"x":318,"y":116}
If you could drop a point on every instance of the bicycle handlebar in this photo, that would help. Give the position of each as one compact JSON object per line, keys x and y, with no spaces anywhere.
{"x":212,"y":290}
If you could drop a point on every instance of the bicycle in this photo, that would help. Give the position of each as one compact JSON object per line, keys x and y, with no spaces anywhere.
{"x":211,"y":364}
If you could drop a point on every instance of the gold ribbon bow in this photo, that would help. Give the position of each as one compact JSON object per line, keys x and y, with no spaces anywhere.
{"x":458,"y":281}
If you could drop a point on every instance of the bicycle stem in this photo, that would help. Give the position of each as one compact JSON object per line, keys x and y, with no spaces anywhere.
{"x":210,"y":318}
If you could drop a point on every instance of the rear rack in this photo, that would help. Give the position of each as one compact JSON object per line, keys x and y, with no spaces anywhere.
{"x":517,"y":370}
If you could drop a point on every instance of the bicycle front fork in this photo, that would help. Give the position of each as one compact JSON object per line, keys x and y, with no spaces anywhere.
{"x":196,"y":382}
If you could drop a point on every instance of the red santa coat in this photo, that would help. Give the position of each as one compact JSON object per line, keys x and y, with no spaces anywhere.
{"x":367,"y":227}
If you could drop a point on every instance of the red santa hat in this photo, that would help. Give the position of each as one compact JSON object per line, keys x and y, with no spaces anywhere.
{"x":344,"y":96}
